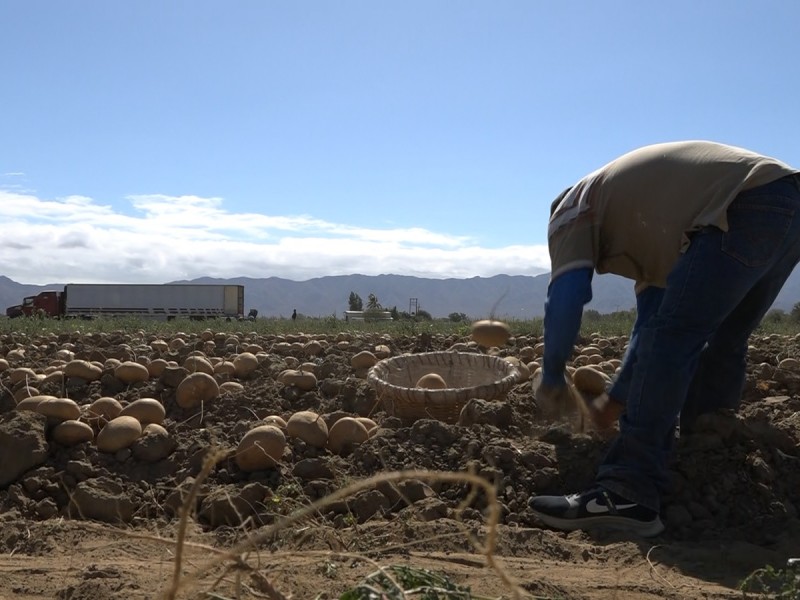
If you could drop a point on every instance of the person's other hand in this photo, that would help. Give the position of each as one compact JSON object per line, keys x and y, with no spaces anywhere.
{"x":604,"y":412}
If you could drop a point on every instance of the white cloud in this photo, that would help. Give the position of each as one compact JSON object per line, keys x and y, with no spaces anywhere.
{"x":75,"y":239}
{"x":14,"y":181}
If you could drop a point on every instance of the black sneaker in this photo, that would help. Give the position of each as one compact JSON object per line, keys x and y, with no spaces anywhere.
{"x":595,"y":509}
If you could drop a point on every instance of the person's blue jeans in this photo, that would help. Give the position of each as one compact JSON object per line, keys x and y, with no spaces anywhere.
{"x":687,"y":351}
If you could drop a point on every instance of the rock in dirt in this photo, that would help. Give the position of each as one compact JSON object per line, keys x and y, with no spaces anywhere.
{"x":102,"y":499}
{"x":22,"y":444}
{"x":231,"y":505}
{"x":429,"y":509}
{"x":431,"y":431}
{"x":484,"y":412}
{"x":405,"y":492}
{"x":176,"y":498}
{"x":366,"y":504}
{"x":313,"y":468}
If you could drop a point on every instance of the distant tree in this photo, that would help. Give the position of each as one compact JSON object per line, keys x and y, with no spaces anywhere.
{"x":424,"y":315}
{"x":457,"y":317}
{"x":796,"y":312}
{"x":372,"y":303}
{"x":355,"y":302}
{"x":394,"y":313}
{"x":776,"y":315}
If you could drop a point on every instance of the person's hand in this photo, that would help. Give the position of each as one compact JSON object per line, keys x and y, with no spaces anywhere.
{"x":584,"y":413}
{"x":604,"y":412}
{"x":555,"y":403}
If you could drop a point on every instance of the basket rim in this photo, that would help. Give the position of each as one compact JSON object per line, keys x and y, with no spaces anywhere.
{"x":511,"y":377}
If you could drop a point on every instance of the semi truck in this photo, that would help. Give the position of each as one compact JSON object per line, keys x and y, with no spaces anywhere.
{"x":153,"y":301}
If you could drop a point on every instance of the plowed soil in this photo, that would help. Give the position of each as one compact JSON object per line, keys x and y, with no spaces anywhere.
{"x":79,"y":524}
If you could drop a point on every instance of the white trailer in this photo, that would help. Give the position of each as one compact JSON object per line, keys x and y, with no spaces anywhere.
{"x":157,"y":301}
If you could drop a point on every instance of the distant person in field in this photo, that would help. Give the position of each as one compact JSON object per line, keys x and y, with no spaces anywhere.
{"x":294,"y":315}
{"x":709,"y":233}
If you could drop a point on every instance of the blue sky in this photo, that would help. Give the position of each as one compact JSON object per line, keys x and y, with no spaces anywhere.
{"x":150,"y":141}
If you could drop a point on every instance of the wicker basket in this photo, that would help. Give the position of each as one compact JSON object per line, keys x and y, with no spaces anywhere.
{"x":468,"y":375}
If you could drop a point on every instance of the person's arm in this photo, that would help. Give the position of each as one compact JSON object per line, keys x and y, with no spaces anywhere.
{"x":563,"y":310}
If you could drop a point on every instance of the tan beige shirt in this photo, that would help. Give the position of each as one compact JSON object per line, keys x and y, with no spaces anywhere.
{"x":632,"y":216}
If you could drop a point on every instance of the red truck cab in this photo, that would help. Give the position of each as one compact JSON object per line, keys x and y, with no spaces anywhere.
{"x":46,"y":304}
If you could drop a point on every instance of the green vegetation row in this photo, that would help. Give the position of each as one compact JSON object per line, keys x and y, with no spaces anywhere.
{"x":610,"y":324}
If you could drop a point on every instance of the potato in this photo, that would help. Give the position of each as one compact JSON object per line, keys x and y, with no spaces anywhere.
{"x":244,"y":364}
{"x":224,"y":367}
{"x":83,"y":369}
{"x":62,"y":409}
{"x":309,"y":367}
{"x":490,"y":333}
{"x":72,"y":432}
{"x":156,"y":367}
{"x":55,"y":376}
{"x":371,"y":425}
{"x":24,"y":393}
{"x":382,"y":351}
{"x":155,"y":429}
{"x":196,"y":389}
{"x":230,"y":387}
{"x":32,"y":402}
{"x":524,"y":371}
{"x":261,"y":448}
{"x":16,"y":354}
{"x":111,"y":364}
{"x":363,"y":360}
{"x":590,"y":380}
{"x":118,"y":433}
{"x":275,"y":420}
{"x":131,"y":372}
{"x":22,"y":374}
{"x":198,"y":364}
{"x":431,"y":381}
{"x":346,"y":432}
{"x":145,"y":410}
{"x":159,"y":346}
{"x":302,"y":380}
{"x":309,"y":427}
{"x":103,"y":410}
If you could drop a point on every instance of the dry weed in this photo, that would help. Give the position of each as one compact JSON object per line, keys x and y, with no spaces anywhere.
{"x":238,"y":558}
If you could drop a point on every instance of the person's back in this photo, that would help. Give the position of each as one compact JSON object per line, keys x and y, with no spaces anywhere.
{"x":631,"y":217}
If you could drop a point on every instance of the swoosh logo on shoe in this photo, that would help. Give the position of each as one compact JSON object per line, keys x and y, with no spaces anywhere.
{"x":594,"y":507}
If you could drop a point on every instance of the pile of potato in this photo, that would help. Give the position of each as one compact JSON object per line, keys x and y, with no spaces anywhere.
{"x":219,"y":363}
{"x":263,"y":446}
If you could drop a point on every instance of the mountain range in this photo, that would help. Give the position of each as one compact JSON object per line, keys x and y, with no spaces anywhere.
{"x":503,"y":296}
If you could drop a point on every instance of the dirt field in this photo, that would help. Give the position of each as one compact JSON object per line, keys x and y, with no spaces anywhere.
{"x":79,"y":524}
